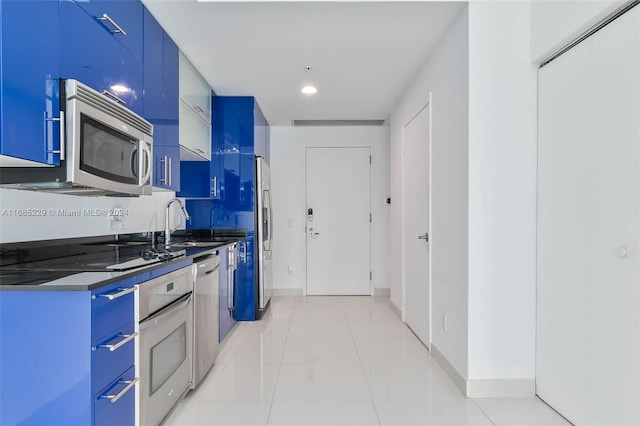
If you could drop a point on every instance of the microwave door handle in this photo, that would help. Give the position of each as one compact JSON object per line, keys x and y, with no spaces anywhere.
{"x":147,"y":154}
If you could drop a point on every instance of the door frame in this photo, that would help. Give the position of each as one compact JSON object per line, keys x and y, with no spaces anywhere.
{"x":403,"y":237}
{"x":303,"y":209}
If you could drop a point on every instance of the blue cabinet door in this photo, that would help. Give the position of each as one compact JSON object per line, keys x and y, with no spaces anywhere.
{"x":30,"y":68}
{"x":122,"y":19}
{"x":246,"y":290}
{"x":161,"y":101}
{"x":91,"y":54}
{"x":121,"y":412}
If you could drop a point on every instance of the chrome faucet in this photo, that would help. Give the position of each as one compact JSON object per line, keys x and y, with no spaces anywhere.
{"x":167,"y":230}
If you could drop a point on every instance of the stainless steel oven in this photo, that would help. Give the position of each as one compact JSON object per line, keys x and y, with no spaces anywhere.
{"x":166,"y":332}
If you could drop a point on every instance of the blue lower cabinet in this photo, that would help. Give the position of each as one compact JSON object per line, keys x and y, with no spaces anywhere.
{"x":30,"y":68}
{"x":111,"y":356}
{"x":246,"y":294}
{"x":64,"y":353}
{"x":116,"y":404}
{"x":45,"y":358}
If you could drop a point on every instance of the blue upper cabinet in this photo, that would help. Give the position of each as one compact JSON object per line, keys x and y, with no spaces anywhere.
{"x":30,"y":68}
{"x":121,"y":18}
{"x":95,"y":52}
{"x":201,"y":179}
{"x":161,"y":101}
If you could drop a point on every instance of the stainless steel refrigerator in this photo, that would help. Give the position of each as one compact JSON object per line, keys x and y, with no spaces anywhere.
{"x":264,"y":234}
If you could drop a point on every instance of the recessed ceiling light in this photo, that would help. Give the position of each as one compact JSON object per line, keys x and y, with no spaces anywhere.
{"x":120,"y":88}
{"x":309,"y":90}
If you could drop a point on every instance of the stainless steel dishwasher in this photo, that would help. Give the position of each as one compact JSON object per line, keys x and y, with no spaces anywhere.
{"x":205,"y":315}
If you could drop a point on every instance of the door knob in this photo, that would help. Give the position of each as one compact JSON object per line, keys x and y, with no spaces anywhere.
{"x":424,"y":237}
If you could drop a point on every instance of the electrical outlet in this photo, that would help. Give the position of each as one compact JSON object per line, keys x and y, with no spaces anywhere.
{"x":444,"y":323}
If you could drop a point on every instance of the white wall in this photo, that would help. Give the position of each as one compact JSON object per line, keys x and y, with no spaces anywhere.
{"x":556,"y":23}
{"x":502,"y":192}
{"x":288,"y":174}
{"x":445,"y":75}
{"x":144,"y":214}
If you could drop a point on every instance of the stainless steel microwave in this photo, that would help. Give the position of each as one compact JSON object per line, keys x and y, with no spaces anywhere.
{"x":105,"y":149}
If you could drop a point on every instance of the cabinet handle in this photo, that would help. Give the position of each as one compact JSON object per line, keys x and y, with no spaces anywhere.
{"x":118,"y":28}
{"x":113,"y":97}
{"x":62,"y":136}
{"x":214,"y":190}
{"x":243,"y":252}
{"x":198,"y":109}
{"x":170,"y":172}
{"x":127,"y":338}
{"x":116,"y":397}
{"x":164,"y":180}
{"x":200,"y":151}
{"x":122,"y":292}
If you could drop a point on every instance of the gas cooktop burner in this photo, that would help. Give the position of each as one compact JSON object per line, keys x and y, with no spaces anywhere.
{"x":154,"y":253}
{"x":147,"y":257}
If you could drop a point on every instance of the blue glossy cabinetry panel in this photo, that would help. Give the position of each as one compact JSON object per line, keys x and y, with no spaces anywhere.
{"x":161,"y":101}
{"x":240,"y":132}
{"x":120,"y":18}
{"x":122,"y":412}
{"x":91,"y":54}
{"x":29,"y":70}
{"x":53,"y":370}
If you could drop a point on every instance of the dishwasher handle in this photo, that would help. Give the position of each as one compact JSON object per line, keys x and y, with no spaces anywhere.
{"x":207,"y":265}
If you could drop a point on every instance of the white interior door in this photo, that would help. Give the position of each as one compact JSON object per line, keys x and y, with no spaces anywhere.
{"x":415,"y":176}
{"x":338,"y":182}
{"x":588,"y":301}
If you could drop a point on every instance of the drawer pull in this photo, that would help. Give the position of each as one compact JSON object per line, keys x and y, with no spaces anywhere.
{"x":116,"y":397}
{"x":118,"y":29}
{"x":122,"y":292}
{"x":127,"y":338}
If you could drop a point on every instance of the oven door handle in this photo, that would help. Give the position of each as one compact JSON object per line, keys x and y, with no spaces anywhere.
{"x":167,"y":310}
{"x":145,"y":160}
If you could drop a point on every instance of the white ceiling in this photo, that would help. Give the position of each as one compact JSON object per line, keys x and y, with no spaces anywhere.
{"x":363,"y":54}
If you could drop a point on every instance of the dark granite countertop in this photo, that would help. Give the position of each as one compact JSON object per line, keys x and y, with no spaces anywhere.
{"x":83,"y":264}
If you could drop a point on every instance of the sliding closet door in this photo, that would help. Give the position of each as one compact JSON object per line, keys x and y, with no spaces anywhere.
{"x":588,"y":343}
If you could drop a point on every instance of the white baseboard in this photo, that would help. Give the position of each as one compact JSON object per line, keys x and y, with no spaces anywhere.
{"x":279,"y":292}
{"x":501,"y":388}
{"x":458,"y":379}
{"x":382,"y":292}
{"x":485,"y":388}
{"x":395,"y":310}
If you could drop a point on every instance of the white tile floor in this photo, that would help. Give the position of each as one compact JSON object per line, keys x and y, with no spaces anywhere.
{"x":338,"y":361}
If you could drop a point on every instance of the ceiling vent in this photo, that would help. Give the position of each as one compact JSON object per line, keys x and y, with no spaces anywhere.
{"x":338,"y":122}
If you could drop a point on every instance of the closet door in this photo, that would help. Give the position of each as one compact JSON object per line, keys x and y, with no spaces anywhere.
{"x":588,"y":324}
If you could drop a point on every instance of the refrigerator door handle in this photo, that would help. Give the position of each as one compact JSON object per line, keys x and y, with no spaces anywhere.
{"x":270,"y":220}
